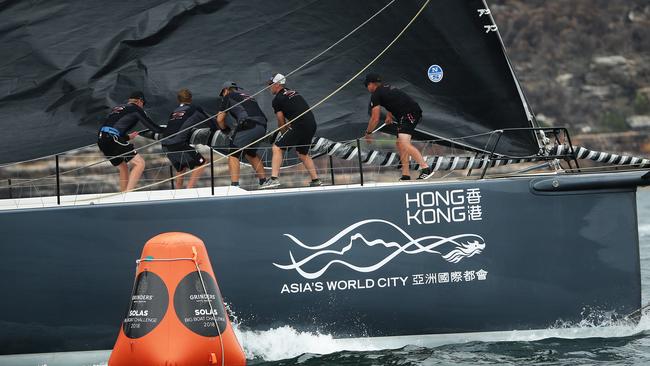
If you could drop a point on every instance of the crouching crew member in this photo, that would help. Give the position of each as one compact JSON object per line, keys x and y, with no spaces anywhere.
{"x":114,"y":139}
{"x":250,"y":127}
{"x":407,"y":113}
{"x":179,"y":152}
{"x":287,"y":105}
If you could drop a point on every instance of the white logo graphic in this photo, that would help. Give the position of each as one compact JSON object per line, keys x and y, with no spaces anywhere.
{"x":452,"y":249}
{"x":435,"y":73}
{"x":482,"y":12}
{"x":490,"y":28}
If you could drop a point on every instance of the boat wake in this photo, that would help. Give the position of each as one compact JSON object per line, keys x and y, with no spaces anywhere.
{"x":453,"y":249}
{"x":286,"y":342}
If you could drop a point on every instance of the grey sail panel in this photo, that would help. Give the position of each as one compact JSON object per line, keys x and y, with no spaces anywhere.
{"x":61,"y":73}
{"x":474,"y":91}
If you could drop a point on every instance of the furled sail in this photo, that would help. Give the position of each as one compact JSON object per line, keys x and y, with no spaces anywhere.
{"x":65,"y":63}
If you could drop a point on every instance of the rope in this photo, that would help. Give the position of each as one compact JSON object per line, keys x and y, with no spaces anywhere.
{"x":640,"y":311}
{"x":237,"y":104}
{"x":288,"y":123}
{"x":214,"y":317}
{"x":205,"y":291}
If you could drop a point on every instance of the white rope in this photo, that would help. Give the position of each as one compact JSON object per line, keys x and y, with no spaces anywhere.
{"x":323,"y":100}
{"x":205,"y":291}
{"x":235,"y":105}
{"x":214,"y":317}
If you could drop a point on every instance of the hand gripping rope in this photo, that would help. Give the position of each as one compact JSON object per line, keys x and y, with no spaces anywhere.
{"x":228,"y":109}
{"x":288,"y":123}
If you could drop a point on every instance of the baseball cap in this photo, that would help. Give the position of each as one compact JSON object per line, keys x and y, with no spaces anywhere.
{"x":277,"y":78}
{"x":227,"y":85}
{"x":372,"y":78}
{"x":138,"y":95}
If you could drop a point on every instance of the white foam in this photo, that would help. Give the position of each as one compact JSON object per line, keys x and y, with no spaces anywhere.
{"x":286,"y":342}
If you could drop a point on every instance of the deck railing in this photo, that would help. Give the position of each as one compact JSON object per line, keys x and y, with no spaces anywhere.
{"x":69,"y":175}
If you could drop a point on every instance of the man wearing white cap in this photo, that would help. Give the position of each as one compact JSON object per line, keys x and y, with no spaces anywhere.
{"x":287,"y":105}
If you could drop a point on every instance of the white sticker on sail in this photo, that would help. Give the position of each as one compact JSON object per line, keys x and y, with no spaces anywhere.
{"x":435,"y":73}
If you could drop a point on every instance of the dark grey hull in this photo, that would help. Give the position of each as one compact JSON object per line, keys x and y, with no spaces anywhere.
{"x":475,"y":256}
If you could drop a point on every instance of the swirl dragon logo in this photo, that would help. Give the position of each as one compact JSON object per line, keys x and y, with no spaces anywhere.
{"x":453,"y":249}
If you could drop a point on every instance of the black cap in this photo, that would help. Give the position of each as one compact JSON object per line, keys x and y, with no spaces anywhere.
{"x":138,"y":95}
{"x":227,"y":85}
{"x":372,"y":78}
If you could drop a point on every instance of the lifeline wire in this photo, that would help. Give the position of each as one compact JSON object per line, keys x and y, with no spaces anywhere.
{"x":235,"y":105}
{"x":300,"y":115}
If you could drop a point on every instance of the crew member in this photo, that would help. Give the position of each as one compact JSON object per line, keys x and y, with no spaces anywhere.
{"x":287,"y":105}
{"x":114,"y":139}
{"x":406,"y":112}
{"x":250,"y":126}
{"x":179,"y":152}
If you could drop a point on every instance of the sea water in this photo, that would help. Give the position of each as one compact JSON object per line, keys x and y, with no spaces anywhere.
{"x":582,"y":344}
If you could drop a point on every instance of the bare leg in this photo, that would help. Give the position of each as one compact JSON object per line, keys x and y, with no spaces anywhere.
{"x":180,"y":178}
{"x":257,"y":164}
{"x":410,"y":150}
{"x":137,"y":167}
{"x":194,"y":176}
{"x":124,"y":176}
{"x":276,"y":162}
{"x":233,"y":165}
{"x":403,"y":158}
{"x":309,"y":164}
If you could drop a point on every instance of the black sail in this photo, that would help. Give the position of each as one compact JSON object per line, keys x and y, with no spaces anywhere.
{"x":66,"y":63}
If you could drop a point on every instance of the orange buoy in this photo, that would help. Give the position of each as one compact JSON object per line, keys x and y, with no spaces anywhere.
{"x":176,"y":315}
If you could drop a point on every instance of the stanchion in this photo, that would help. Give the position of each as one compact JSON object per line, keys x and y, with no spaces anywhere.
{"x":58,"y":188}
{"x":332,"y":170}
{"x":212,"y":170}
{"x":360,"y":162}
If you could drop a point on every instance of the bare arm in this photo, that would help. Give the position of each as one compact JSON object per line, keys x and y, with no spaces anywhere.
{"x":389,"y":118}
{"x":281,"y":120}
{"x":375,"y":113}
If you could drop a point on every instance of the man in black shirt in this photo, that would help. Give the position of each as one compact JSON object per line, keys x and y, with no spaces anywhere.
{"x":250,"y":126}
{"x":114,"y":139}
{"x":287,"y":105}
{"x":179,"y":152}
{"x":407,"y":113}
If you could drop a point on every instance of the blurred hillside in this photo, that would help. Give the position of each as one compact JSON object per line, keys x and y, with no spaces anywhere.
{"x":583,"y":63}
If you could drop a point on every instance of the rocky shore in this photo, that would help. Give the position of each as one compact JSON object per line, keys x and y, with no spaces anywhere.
{"x":583,"y":64}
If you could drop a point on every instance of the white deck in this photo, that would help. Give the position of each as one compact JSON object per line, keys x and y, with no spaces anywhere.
{"x":179,"y":194}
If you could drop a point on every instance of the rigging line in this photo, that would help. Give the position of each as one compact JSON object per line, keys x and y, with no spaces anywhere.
{"x":246,"y":99}
{"x":205,"y":291}
{"x":289,"y":74}
{"x":214,"y":316}
{"x":406,"y":27}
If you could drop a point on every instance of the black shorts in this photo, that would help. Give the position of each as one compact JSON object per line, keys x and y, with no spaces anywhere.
{"x":242,"y":138}
{"x":299,"y":137}
{"x":183,"y":156}
{"x":113,"y":147}
{"x":407,"y":123}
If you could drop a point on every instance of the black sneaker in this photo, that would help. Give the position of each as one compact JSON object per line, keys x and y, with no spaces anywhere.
{"x":270,"y":183}
{"x":405,"y":177}
{"x":425,"y":173}
{"x":315,"y":183}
